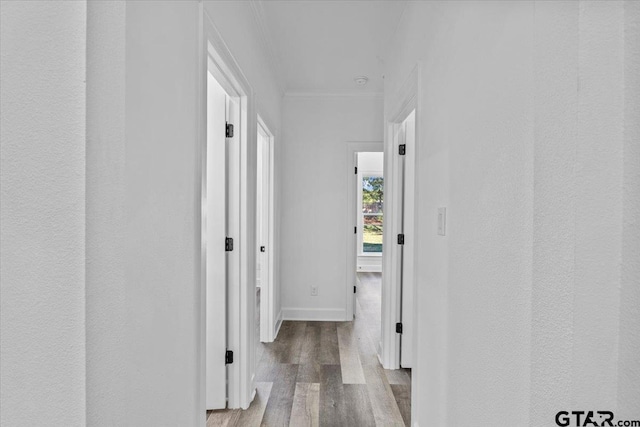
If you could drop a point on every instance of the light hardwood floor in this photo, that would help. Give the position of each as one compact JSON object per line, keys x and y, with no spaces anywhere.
{"x":327,"y":374}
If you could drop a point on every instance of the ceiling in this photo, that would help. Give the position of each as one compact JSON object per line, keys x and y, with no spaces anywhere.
{"x":321,"y":46}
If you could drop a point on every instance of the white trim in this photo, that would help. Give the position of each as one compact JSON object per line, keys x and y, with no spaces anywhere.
{"x":318,"y":314}
{"x":268,"y":46}
{"x":352,"y":219}
{"x":314,"y":95}
{"x":241,"y":302}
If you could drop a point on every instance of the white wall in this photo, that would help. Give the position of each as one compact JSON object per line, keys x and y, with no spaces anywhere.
{"x":314,"y":198}
{"x":628,"y":391}
{"x":527,"y":130}
{"x":42,"y":206}
{"x":162,"y":146}
{"x":371,"y":162}
{"x":105,"y":222}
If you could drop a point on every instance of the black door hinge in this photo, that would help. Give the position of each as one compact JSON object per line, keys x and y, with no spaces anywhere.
{"x":263,"y":249}
{"x":355,"y":170}
{"x":402,"y":148}
{"x":401,"y":239}
{"x":228,"y":244}
{"x":354,"y":289}
{"x":355,"y":230}
{"x":229,"y":132}
{"x":398,"y":328}
{"x":228,"y":357}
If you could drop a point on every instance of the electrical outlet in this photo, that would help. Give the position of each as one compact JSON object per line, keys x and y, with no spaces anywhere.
{"x":314,"y":291}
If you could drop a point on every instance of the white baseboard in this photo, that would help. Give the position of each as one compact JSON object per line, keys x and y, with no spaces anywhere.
{"x":321,"y":314}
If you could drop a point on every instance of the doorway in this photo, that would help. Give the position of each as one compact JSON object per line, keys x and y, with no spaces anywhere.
{"x":369,"y":241}
{"x":265,"y":220}
{"x":398,"y":287}
{"x":364,"y":229}
{"x":405,"y":140}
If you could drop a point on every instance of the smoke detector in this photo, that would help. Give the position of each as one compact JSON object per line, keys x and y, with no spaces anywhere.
{"x":361,"y":80}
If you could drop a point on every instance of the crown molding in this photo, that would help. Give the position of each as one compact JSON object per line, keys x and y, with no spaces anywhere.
{"x":269,"y":47}
{"x":360,"y":95}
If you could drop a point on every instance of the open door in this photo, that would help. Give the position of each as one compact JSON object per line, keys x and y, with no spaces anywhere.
{"x":264,"y":232}
{"x":356,"y":186}
{"x":215,"y":227}
{"x":407,"y":280}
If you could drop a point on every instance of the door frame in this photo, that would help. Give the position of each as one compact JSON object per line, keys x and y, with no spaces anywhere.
{"x":215,"y":56}
{"x":267,"y":299}
{"x":402,"y":104}
{"x":353,"y":148}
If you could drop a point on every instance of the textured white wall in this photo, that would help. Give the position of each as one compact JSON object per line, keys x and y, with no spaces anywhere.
{"x":554,"y":210}
{"x":314,"y":198}
{"x":629,"y":341}
{"x":161,"y":151}
{"x":105,"y":221}
{"x":528,"y":133}
{"x":42,"y":206}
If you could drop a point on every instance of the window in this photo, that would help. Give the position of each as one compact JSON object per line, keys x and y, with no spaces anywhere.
{"x":372,"y":213}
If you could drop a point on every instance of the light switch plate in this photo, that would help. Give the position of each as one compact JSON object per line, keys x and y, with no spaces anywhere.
{"x":442,"y":221}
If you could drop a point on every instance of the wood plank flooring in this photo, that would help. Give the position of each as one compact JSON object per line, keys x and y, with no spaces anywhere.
{"x":327,"y":374}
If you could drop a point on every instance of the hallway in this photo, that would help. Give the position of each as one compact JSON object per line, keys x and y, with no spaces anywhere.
{"x":161,"y":160}
{"x":328,"y":374}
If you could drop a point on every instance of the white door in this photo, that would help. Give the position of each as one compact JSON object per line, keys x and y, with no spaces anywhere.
{"x":215,"y":230}
{"x":357,"y":236}
{"x":398,"y":215}
{"x":234,"y":310}
{"x":262,"y":209}
{"x":263,"y":222}
{"x":259,"y":210}
{"x":408,"y":249}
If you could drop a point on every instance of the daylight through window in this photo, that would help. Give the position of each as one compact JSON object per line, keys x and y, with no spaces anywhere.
{"x":372,"y":212}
